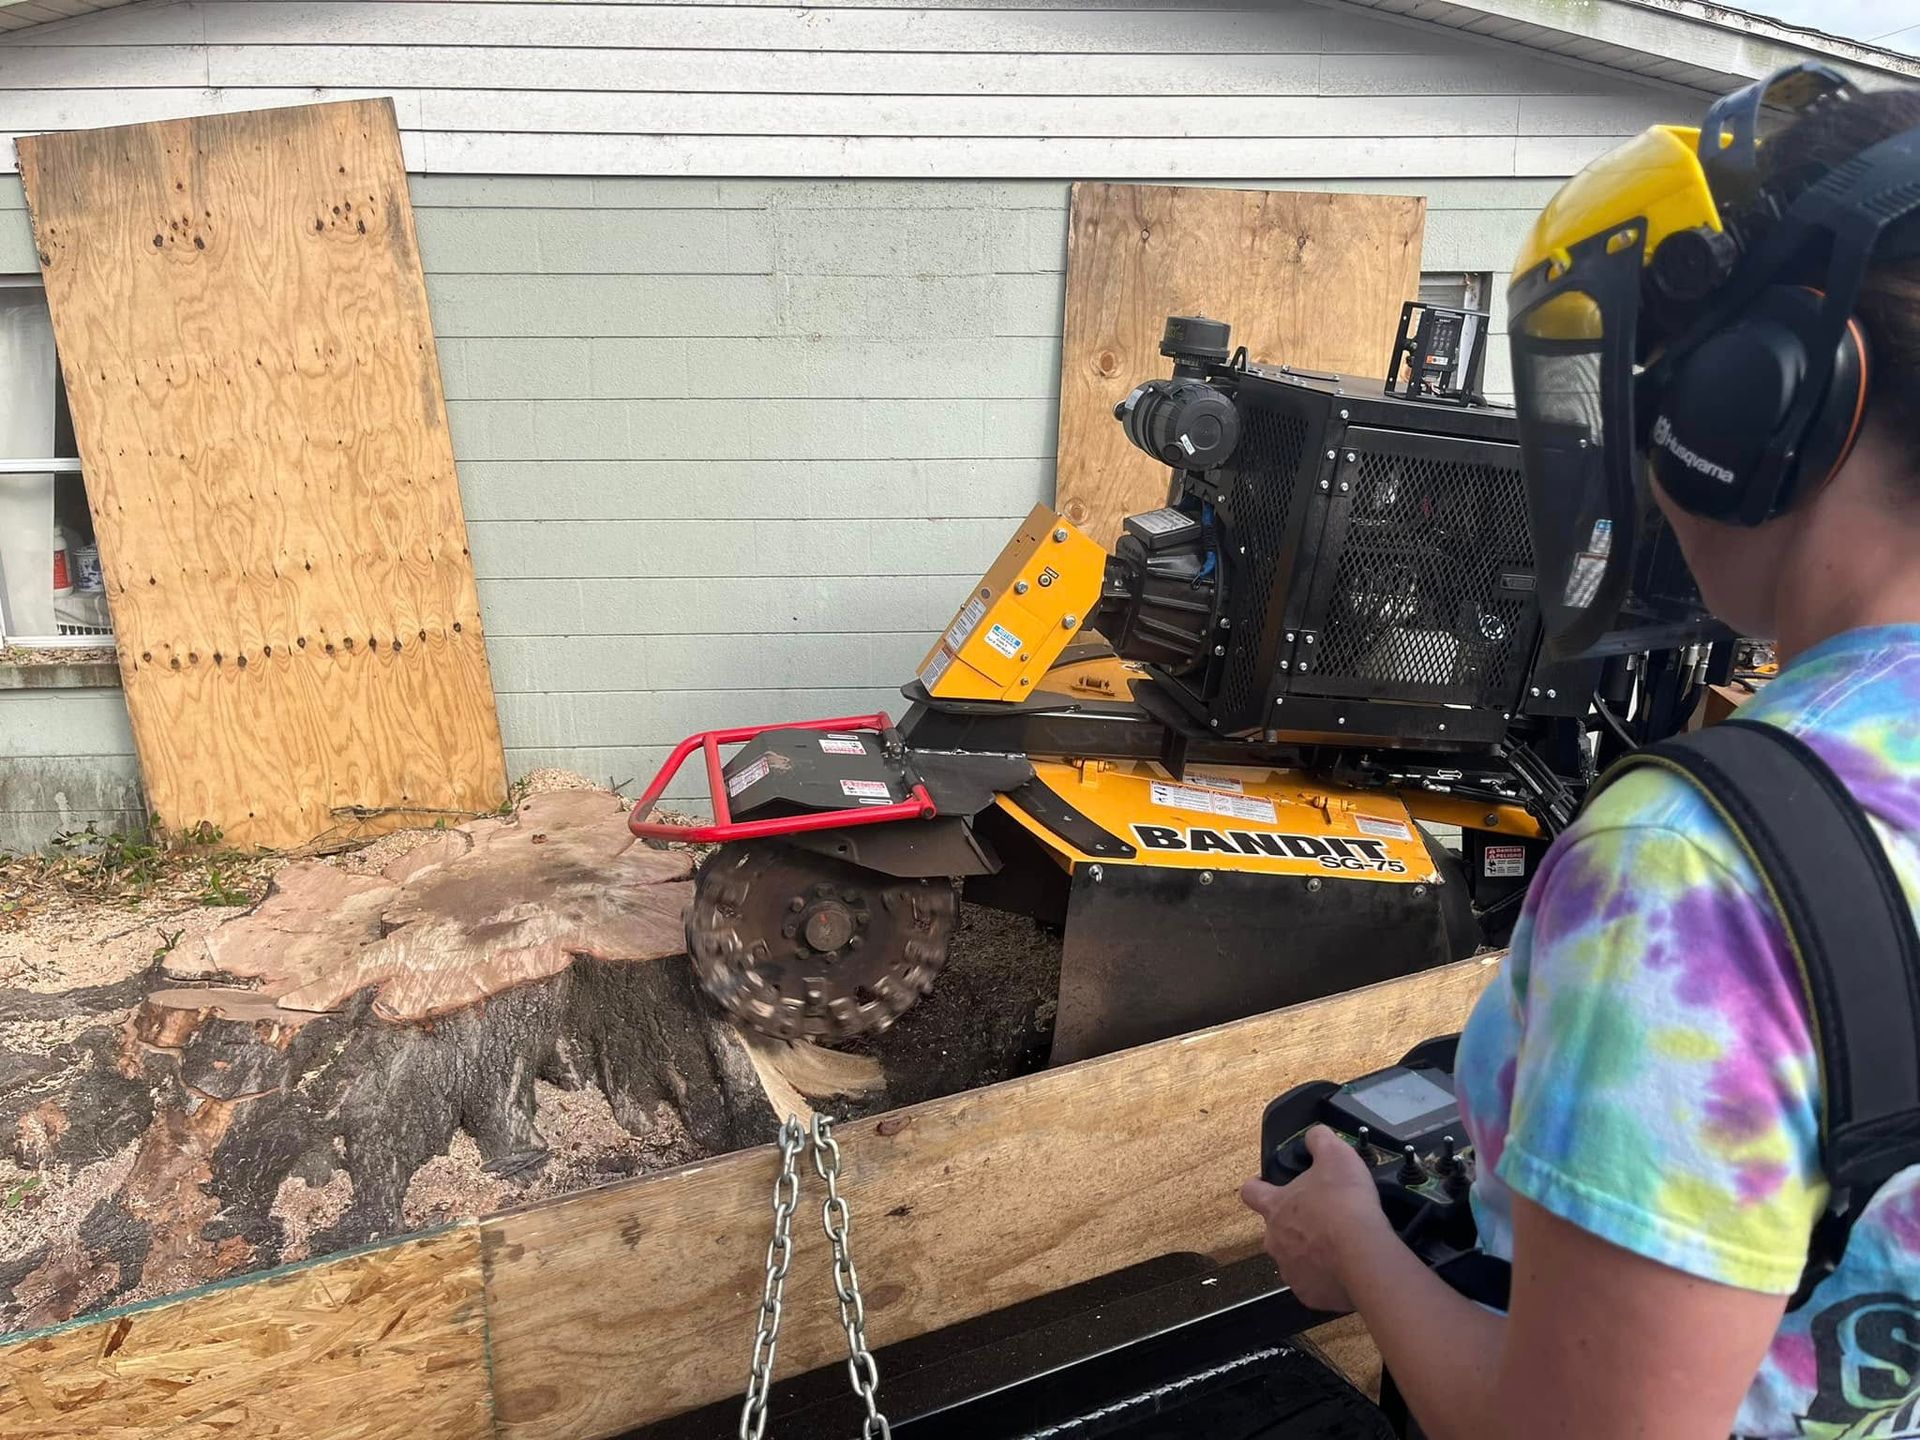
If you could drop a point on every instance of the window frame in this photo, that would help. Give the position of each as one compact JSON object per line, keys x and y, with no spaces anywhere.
{"x":48,"y":465}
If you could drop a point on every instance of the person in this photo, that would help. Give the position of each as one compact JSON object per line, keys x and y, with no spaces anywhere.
{"x":1640,"y":1081}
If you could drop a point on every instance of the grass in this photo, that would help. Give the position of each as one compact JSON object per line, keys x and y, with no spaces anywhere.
{"x":130,"y":866}
{"x":19,"y":1194}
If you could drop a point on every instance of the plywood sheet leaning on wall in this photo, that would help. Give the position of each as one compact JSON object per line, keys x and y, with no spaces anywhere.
{"x":1310,"y":280}
{"x":242,"y":325}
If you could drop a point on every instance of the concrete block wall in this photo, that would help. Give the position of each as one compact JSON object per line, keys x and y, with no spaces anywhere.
{"x":66,"y":759}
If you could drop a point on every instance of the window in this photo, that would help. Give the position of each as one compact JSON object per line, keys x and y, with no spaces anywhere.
{"x":1456,"y":289}
{"x":51,"y":592}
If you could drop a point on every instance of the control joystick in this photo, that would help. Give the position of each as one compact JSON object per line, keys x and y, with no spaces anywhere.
{"x":1403,"y":1121}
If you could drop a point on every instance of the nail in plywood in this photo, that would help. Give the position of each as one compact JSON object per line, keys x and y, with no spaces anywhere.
{"x":1315,"y":281}
{"x":242,"y":324}
{"x":384,"y":1343}
{"x":636,"y":1301}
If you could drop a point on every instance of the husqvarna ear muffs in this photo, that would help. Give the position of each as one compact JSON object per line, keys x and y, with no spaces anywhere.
{"x":1725,"y":407}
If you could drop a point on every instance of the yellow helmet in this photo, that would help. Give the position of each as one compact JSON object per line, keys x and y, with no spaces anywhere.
{"x":1668,"y":302}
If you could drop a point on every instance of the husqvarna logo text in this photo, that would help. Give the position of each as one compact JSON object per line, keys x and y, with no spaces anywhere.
{"x":1692,"y":459}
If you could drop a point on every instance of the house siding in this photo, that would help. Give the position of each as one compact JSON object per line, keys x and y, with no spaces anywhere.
{"x":730,"y":448}
{"x":1127,"y":89}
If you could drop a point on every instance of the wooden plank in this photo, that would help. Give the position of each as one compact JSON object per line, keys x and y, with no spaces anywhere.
{"x":243,"y":328}
{"x":636,"y":1301}
{"x":1313,"y":280}
{"x":389,"y":1342}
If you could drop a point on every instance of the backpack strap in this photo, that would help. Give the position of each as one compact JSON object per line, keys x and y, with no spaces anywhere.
{"x":1851,"y":930}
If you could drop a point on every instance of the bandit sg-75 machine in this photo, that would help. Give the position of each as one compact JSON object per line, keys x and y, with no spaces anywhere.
{"x":1217,"y":756}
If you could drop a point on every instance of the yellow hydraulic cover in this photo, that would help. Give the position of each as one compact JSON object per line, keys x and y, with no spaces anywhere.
{"x":1021,"y":615}
{"x":1241,"y":819}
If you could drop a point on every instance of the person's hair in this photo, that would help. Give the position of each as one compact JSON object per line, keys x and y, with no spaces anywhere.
{"x":1889,"y":305}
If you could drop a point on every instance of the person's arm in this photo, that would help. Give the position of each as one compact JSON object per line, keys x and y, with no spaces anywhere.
{"x":1652,"y":1127}
{"x":1600,"y":1342}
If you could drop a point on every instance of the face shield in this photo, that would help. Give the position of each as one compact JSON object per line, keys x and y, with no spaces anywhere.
{"x":1574,"y":327}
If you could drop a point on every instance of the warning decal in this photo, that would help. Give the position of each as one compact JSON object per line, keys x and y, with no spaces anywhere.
{"x":966,"y":622}
{"x":864,"y":790}
{"x":1213,"y":802}
{"x":931,"y":672}
{"x":1385,"y":829}
{"x":842,"y":745}
{"x":1215,"y":782}
{"x":758,"y":770}
{"x":1504,"y":862}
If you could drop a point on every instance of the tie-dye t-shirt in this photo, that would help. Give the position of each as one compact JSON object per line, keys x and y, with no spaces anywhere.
{"x":1643,"y":1067}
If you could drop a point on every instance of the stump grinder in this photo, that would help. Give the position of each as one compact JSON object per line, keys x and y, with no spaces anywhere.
{"x":1301,"y":729}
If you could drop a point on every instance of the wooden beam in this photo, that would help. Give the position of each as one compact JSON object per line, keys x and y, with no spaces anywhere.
{"x":590,"y":1314}
{"x":634,"y":1302}
{"x":1306,"y":279}
{"x":385,"y":1342}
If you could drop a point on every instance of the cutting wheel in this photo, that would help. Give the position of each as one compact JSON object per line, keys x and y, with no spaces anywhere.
{"x":802,"y":946}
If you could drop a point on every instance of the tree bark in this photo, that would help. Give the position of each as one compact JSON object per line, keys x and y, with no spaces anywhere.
{"x":330,"y":1044}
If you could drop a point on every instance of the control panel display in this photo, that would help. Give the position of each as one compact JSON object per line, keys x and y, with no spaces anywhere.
{"x":1401,"y":1096}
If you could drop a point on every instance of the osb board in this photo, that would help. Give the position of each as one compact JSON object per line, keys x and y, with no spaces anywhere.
{"x":242,"y":323}
{"x":1310,"y":280}
{"x":1347,"y":1345}
{"x":636,"y":1301}
{"x":387,"y":1342}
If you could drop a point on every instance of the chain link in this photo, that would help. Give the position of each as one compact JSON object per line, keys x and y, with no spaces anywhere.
{"x":786,"y":1197}
{"x":837,"y":1221}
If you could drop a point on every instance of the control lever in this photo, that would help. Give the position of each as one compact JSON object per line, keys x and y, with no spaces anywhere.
{"x":1404,"y":1122}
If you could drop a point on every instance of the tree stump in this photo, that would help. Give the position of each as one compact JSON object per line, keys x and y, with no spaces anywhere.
{"x":338,"y":1036}
{"x":507,"y":1004}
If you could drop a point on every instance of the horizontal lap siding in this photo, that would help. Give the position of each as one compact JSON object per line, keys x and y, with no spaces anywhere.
{"x":1115,"y":91}
{"x":750,"y":317}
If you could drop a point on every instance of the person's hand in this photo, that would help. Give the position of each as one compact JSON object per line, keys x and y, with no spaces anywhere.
{"x":1319,"y":1220}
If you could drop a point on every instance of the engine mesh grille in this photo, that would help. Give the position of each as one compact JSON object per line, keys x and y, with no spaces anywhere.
{"x":1418,"y":610}
{"x":1273,"y":447}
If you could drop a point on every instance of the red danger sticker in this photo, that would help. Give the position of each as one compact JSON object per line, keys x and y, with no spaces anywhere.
{"x":1505,"y":862}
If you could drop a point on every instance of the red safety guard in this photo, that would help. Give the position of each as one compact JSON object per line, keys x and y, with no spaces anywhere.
{"x":918,"y":806}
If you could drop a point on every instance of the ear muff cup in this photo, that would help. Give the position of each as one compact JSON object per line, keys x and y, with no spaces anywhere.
{"x":1727,"y":402}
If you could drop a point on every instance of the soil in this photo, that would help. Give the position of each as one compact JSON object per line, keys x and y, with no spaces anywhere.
{"x":989,"y":1018}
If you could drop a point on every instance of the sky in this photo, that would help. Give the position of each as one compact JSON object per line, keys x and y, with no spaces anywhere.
{"x":1856,"y":19}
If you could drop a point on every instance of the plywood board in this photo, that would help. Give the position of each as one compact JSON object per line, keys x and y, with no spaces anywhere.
{"x":243,"y":328}
{"x":1310,"y":280}
{"x":386,"y":1343}
{"x":636,"y":1301}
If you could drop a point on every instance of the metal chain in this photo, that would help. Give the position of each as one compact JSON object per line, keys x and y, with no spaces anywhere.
{"x":837,"y":1221}
{"x":786,"y":1196}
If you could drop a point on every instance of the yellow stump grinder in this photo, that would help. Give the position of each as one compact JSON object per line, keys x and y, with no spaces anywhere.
{"x":1300,"y":731}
